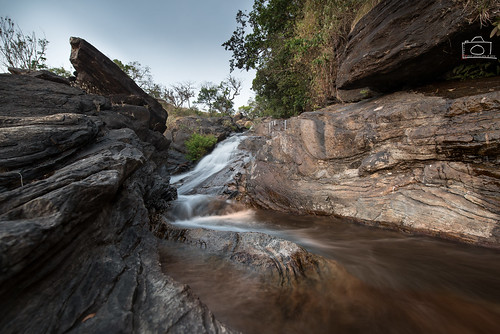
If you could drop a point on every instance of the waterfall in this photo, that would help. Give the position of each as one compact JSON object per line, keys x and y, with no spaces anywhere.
{"x":195,"y":209}
{"x":222,"y":156}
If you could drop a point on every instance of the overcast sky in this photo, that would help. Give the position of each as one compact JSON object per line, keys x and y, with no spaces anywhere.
{"x":180,"y":40}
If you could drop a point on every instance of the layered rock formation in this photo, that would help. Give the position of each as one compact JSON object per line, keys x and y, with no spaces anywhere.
{"x":407,"y":161}
{"x":401,"y":43}
{"x":80,"y":177}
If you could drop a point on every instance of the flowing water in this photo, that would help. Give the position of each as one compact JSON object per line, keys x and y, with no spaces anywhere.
{"x":395,"y":283}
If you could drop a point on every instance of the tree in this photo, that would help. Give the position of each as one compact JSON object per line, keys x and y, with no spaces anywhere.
{"x":61,"y":71}
{"x":260,"y":42}
{"x":220,"y":98}
{"x":184,"y":92}
{"x":207,"y":96}
{"x":141,"y":75}
{"x":19,"y":50}
{"x":294,"y":46}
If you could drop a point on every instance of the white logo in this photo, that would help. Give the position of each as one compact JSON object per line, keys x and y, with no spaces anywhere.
{"x":477,"y":48}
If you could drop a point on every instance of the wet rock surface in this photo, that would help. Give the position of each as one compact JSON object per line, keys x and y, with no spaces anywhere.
{"x":280,"y":261}
{"x":75,"y":200}
{"x":408,"y":161}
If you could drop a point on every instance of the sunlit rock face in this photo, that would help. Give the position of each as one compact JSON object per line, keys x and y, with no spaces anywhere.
{"x":406,"y":160}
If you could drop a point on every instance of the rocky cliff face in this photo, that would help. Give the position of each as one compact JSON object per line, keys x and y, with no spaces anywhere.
{"x":80,"y":177}
{"x":407,"y":161}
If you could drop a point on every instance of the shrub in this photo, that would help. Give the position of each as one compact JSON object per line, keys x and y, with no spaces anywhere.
{"x":198,"y":145}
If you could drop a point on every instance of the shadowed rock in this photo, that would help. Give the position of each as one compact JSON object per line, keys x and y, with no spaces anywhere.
{"x":281,"y":261}
{"x":400,"y":43}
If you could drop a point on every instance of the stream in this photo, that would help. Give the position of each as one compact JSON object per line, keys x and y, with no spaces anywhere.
{"x":396,"y":283}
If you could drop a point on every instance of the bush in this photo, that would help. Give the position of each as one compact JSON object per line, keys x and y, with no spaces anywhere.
{"x":199,"y":145}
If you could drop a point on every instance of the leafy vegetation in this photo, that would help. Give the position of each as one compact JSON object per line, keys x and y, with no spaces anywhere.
{"x":199,"y":145}
{"x":294,"y":46}
{"x":475,"y":70}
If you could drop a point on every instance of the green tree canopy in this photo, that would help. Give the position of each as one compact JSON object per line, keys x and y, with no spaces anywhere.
{"x":219,"y":99}
{"x":294,"y":46}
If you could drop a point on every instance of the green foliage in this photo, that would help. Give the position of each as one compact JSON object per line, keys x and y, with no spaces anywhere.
{"x":294,"y":46}
{"x":199,"y":145}
{"x":219,"y":99}
{"x":475,"y":70}
{"x":19,"y":50}
{"x":496,"y":28}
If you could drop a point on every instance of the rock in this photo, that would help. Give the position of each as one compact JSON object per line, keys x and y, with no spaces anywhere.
{"x":422,"y":164}
{"x":22,"y":95}
{"x":401,"y":43}
{"x":76,"y":253}
{"x":355,"y":95}
{"x":32,"y":146}
{"x":98,"y":74}
{"x":43,"y":74}
{"x":279,"y":261}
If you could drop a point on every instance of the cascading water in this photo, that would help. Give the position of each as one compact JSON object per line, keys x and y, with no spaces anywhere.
{"x":199,"y":203}
{"x":222,"y":156}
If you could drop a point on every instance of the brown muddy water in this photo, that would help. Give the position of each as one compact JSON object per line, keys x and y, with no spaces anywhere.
{"x":395,"y":283}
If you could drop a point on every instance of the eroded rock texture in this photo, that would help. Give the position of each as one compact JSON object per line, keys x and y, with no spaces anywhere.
{"x":407,"y":161}
{"x":76,"y":253}
{"x":98,"y":74}
{"x":400,"y":43}
{"x":280,"y":261}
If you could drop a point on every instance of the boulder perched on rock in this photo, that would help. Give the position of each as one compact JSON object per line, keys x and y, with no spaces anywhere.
{"x":401,"y":43}
{"x":96,"y":73}
{"x":408,"y":161}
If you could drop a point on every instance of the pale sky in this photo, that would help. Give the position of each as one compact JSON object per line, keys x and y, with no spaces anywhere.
{"x":180,"y":40}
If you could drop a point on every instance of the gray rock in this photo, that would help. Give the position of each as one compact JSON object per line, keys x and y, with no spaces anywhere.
{"x":22,"y":95}
{"x":423,"y":164}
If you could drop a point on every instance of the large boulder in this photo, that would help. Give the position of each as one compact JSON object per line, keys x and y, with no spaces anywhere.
{"x":402,"y":42}
{"x":408,"y":161}
{"x":96,"y":73}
